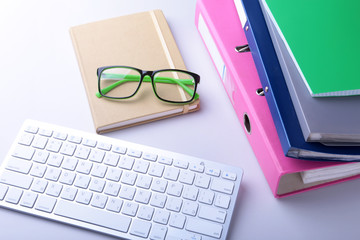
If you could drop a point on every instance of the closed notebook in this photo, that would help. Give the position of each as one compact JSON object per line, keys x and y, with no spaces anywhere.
{"x":277,"y":93}
{"x":221,"y":30}
{"x":332,"y":121}
{"x":141,"y":40}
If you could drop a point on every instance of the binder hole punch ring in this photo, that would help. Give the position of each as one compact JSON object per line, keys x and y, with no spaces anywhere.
{"x":242,"y":48}
{"x":247,"y":123}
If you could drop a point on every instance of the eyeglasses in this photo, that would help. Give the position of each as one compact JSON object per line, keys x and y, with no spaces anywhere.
{"x":169,"y":85}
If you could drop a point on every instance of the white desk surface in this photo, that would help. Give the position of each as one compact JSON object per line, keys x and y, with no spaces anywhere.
{"x":40,"y":79}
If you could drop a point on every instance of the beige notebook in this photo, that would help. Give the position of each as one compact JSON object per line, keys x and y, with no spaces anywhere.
{"x":142,"y":40}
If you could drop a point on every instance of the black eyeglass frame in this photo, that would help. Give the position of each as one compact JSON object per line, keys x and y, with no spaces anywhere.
{"x":151,"y":74}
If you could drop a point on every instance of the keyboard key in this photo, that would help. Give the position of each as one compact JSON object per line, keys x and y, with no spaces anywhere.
{"x":28,"y":199}
{"x":158,"y":232}
{"x":16,"y":179}
{"x":223,"y":186}
{"x":140,"y":228}
{"x":114,"y":204}
{"x":23,"y":152}
{"x":19,"y":165}
{"x":204,"y":227}
{"x":213,"y":214}
{"x":13,"y":195}
{"x":177,"y":220}
{"x":92,"y":215}
{"x":229,"y":176}
{"x":45,"y":204}
{"x":26,"y":139}
{"x":3,"y":191}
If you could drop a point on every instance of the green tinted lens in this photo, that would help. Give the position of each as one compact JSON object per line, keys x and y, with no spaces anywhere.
{"x":119,"y":82}
{"x":174,"y":86}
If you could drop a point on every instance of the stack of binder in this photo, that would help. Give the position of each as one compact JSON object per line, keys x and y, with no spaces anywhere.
{"x":301,"y":141}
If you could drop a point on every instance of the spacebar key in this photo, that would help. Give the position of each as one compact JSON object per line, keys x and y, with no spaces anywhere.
{"x":92,"y":215}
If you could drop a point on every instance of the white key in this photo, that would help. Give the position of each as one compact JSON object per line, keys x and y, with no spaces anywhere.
{"x":16,"y":179}
{"x":130,"y":208}
{"x":186,"y":177}
{"x":181,"y":163}
{"x":26,"y":139}
{"x":213,"y":214}
{"x":52,"y":174}
{"x":140,"y":228}
{"x":40,"y":156}
{"x":174,"y":204}
{"x":45,"y":132}
{"x":38,"y":170}
{"x":45,"y":203}
{"x":111,"y":159}
{"x":206,"y":196}
{"x":69,"y":193}
{"x":84,"y":167}
{"x":39,"y":185}
{"x":23,"y":152}
{"x":204,"y":227}
{"x":3,"y":191}
{"x":190,"y":208}
{"x":175,"y":189}
{"x":127,"y":192}
{"x":119,"y":149}
{"x":96,"y":155}
{"x":171,"y":173}
{"x":89,"y":142}
{"x":13,"y":195}
{"x":128,"y":178}
{"x":190,"y":192}
{"x":31,"y":129}
{"x":150,"y":156}
{"x":159,"y":185}
{"x":82,"y":181}
{"x":161,"y":216}
{"x":28,"y":199}
{"x":156,"y":170}
{"x":142,"y":196}
{"x":60,"y":135}
{"x":99,"y":201}
{"x":70,"y":163}
{"x":134,"y":153}
{"x":99,"y":170}
{"x":84,"y":197}
{"x":202,"y":181}
{"x":144,"y":181}
{"x":158,"y":232}
{"x":112,"y":189}
{"x":54,"y":189}
{"x":82,"y":152}
{"x":222,"y":201}
{"x":97,"y":185}
{"x":158,"y":200}
{"x":141,"y":166}
{"x":113,"y":174}
{"x":75,"y":139}
{"x":114,"y":204}
{"x":223,"y":186}
{"x":145,"y":212}
{"x":196,"y":167}
{"x":177,"y":220}
{"x":68,"y":149}
{"x":67,"y":177}
{"x":92,"y":215}
{"x":165,"y":160}
{"x":213,"y":171}
{"x":19,"y":165}
{"x":55,"y":160}
{"x":229,"y":175}
{"x":126,"y":162}
{"x":104,"y":146}
{"x":39,"y":142}
{"x":54,"y":145}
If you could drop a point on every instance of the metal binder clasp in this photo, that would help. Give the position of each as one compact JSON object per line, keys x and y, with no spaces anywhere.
{"x":242,"y":48}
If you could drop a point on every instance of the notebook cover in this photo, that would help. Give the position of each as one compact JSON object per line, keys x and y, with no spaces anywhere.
{"x":321,"y":119}
{"x":142,"y":40}
{"x":221,"y":31}
{"x":323,"y":37}
{"x":277,"y":94}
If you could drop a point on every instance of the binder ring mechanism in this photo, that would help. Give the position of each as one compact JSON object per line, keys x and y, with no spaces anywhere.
{"x":242,"y":48}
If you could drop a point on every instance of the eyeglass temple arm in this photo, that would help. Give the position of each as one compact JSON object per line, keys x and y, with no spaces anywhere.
{"x":133,"y":78}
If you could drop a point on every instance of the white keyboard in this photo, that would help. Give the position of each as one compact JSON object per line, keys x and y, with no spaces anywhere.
{"x":115,"y":187}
